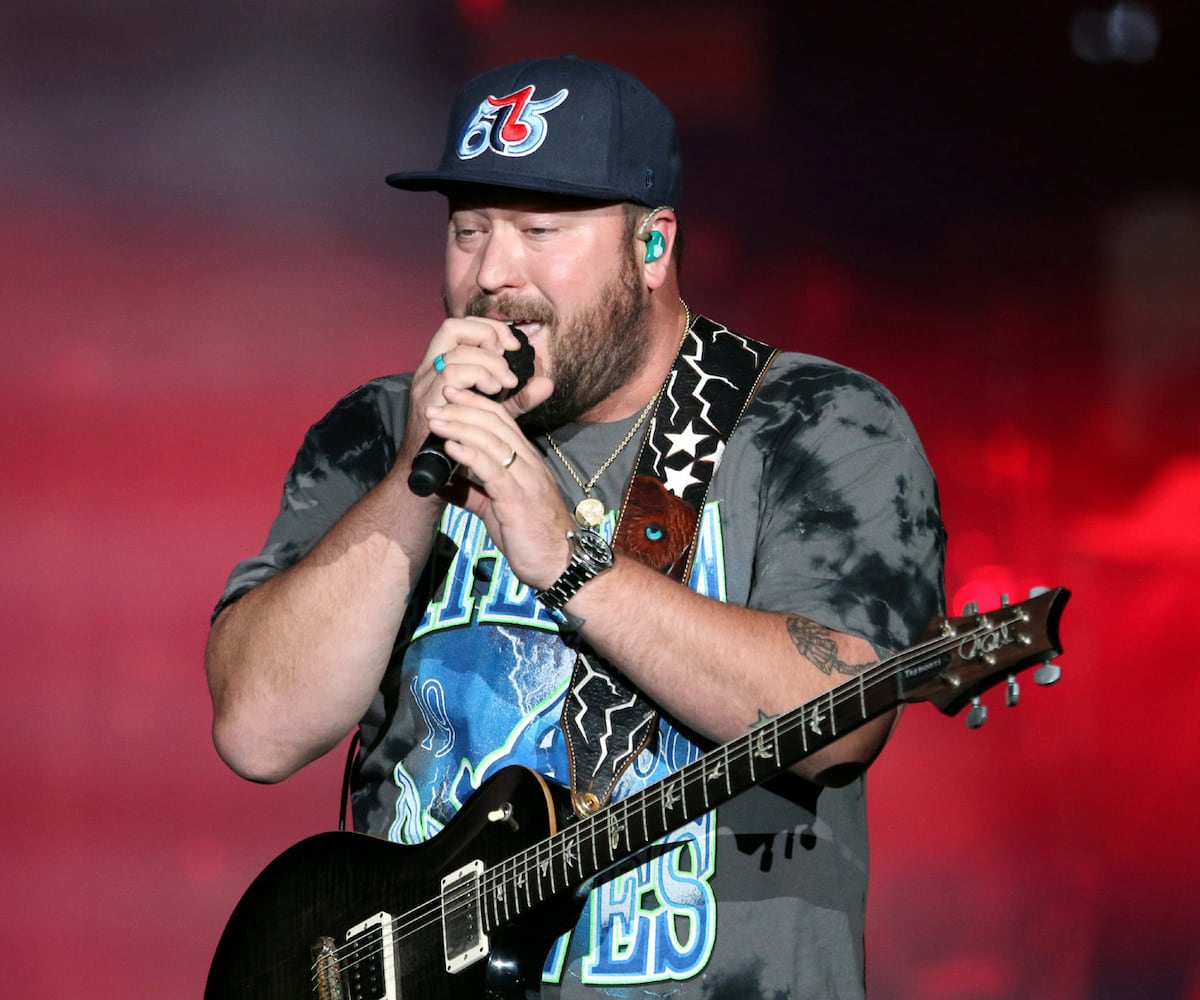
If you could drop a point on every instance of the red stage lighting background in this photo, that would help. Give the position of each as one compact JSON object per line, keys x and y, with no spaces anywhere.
{"x":200,"y":257}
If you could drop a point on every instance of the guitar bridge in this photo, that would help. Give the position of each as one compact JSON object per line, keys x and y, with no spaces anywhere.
{"x":326,"y":973}
{"x":462,"y":917}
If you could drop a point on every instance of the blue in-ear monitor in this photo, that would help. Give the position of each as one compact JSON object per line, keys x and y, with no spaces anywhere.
{"x":656,"y":246}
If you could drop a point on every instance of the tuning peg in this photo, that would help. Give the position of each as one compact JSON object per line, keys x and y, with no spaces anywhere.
{"x":1048,"y":673}
{"x":970,"y":608}
{"x":1012,"y":693}
{"x":977,"y":715}
{"x":1004,"y":600}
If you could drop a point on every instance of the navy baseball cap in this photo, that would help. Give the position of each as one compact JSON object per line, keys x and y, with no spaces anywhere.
{"x":564,"y":126}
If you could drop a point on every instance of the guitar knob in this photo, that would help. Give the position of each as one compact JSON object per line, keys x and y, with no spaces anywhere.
{"x":1048,"y":673}
{"x":1012,"y":694}
{"x":977,"y":715}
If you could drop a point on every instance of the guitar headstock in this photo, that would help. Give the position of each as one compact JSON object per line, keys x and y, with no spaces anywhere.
{"x":963,"y":657}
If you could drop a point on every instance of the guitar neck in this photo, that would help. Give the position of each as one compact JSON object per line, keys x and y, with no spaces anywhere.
{"x":960,"y":658}
{"x":596,"y":843}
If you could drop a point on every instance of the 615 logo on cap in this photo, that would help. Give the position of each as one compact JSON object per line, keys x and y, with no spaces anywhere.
{"x":511,"y":126}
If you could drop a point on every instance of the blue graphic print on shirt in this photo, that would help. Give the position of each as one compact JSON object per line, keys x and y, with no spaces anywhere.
{"x":487,"y":672}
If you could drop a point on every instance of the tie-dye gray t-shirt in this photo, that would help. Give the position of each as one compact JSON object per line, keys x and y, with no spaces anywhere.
{"x":823,"y":504}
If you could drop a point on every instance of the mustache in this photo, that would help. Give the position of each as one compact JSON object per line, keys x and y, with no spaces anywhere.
{"x":512,"y":308}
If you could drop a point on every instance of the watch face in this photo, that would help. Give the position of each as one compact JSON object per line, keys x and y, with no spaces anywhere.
{"x":594,"y":548}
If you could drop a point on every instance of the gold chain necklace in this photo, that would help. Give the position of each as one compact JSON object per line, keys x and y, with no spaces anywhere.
{"x":589,"y":512}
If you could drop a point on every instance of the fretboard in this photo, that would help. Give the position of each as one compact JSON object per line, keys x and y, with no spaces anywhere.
{"x":590,"y":845}
{"x":959,"y":658}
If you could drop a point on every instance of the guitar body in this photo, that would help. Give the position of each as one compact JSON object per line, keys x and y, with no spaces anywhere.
{"x":328,"y":884}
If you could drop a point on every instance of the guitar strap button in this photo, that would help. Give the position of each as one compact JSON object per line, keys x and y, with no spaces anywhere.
{"x":585,"y":803}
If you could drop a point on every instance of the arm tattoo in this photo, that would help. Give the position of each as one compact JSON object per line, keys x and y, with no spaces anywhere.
{"x":814,"y":643}
{"x":574,"y":622}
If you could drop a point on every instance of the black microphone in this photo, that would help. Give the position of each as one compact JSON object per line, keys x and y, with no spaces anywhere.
{"x":431,"y":469}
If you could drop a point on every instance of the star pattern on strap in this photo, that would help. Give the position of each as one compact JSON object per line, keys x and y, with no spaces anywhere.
{"x":678,"y":480}
{"x":685,"y":441}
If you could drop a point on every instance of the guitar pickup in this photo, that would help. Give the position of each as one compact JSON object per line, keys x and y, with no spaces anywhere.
{"x":370,"y":972}
{"x":462,"y":917}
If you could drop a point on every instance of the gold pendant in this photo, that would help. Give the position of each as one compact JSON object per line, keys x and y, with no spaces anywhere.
{"x":589,"y":512}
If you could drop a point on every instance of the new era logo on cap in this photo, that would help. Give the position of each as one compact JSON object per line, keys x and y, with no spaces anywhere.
{"x":558,"y":126}
{"x":511,"y":126}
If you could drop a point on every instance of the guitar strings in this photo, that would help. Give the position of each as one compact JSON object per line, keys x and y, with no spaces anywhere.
{"x":425,"y":914}
{"x":516,"y":871}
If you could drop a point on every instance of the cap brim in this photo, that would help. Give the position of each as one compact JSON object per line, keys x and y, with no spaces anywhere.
{"x":448,"y":184}
{"x":416,"y":182}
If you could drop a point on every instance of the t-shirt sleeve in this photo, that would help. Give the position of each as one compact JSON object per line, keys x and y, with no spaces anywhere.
{"x":851,"y":533}
{"x":342,"y":457}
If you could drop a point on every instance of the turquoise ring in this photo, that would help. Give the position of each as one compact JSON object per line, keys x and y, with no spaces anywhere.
{"x":439,"y":363}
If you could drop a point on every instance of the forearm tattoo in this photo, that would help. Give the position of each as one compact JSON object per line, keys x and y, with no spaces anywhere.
{"x":815,"y":643}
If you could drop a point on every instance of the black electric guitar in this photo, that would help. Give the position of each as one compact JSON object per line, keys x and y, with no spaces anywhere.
{"x":474,"y":911}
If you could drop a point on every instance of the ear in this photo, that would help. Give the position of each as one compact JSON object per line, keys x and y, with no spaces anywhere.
{"x":656,"y":246}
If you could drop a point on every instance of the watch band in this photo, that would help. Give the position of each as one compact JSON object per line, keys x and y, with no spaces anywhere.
{"x":590,"y":556}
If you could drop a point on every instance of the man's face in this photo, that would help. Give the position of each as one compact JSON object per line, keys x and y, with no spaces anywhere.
{"x":565,"y":273}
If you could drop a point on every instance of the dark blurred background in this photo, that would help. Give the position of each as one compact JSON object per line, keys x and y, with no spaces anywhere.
{"x":994,"y":208}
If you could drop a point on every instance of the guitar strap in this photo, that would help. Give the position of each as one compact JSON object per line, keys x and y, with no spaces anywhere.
{"x":606,"y":721}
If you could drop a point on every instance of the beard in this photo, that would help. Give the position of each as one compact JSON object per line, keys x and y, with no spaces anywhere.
{"x":598,"y":351}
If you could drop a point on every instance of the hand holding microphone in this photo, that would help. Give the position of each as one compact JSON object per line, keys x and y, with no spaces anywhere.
{"x":431,"y":469}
